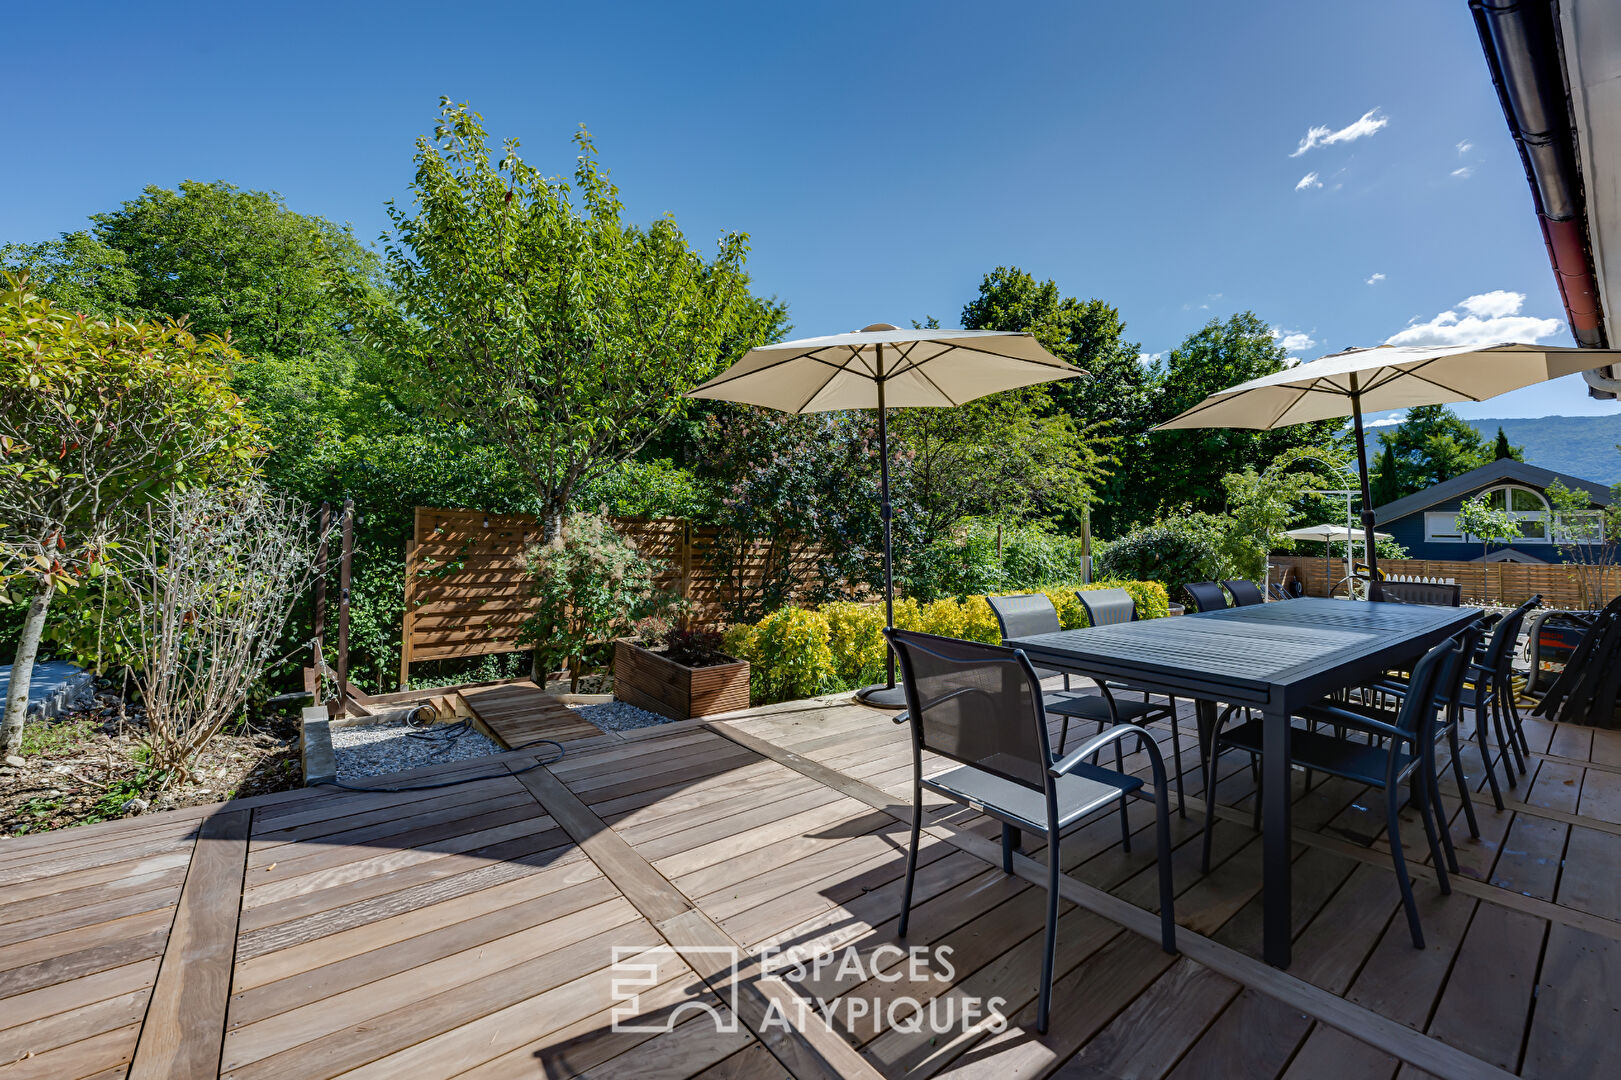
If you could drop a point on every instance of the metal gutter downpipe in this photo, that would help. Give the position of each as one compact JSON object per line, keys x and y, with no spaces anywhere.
{"x":1522,"y":45}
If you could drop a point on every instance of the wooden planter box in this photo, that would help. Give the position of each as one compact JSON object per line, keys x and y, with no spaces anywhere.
{"x":649,"y":681}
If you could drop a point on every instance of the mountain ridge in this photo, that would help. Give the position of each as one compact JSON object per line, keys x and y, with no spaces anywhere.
{"x":1583,"y":446}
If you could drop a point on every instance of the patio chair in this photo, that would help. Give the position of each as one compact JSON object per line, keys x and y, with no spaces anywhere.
{"x":1276,"y":591}
{"x":1207,"y":596}
{"x":1588,"y":691}
{"x":1421,"y":592}
{"x":1106,"y":607}
{"x":1487,"y":690}
{"x":1408,"y":754}
{"x":980,"y":706}
{"x":1245,"y":593}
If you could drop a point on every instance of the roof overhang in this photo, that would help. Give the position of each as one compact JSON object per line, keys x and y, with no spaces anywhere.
{"x":1557,"y":68}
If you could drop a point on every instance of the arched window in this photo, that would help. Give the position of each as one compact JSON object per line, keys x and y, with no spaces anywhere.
{"x":1526,"y":504}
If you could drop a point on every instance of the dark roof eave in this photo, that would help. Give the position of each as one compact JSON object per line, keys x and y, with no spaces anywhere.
{"x":1504,"y":469}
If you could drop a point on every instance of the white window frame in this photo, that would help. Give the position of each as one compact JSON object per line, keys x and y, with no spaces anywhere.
{"x":1441,"y":527}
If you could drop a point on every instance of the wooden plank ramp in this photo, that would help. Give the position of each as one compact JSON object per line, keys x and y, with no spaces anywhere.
{"x":521,"y":714}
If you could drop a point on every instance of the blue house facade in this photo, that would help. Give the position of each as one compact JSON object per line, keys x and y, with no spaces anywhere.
{"x":1425,"y":522}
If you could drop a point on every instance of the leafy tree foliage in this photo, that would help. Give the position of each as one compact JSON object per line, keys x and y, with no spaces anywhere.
{"x":1189,"y":465}
{"x":1384,"y":486}
{"x":1119,"y":390}
{"x":1431,"y":445}
{"x":534,"y":313}
{"x":96,"y":418}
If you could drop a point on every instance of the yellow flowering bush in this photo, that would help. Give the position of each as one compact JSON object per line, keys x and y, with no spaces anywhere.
{"x":795,"y":652}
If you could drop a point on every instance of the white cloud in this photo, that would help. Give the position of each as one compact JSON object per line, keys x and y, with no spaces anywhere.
{"x":1292,"y":341}
{"x":1384,"y":421}
{"x":1308,"y":181}
{"x":1149,"y":357}
{"x":1464,"y":146}
{"x":1488,"y":318}
{"x":1464,"y":173}
{"x":1368,"y":123}
{"x":1376,"y":279}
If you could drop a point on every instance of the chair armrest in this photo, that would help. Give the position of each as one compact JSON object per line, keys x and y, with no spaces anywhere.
{"x":1330,"y":714}
{"x":1113,"y":734}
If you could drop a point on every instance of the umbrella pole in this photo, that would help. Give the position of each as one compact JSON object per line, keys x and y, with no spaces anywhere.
{"x":1374,"y":591}
{"x":885,"y":695}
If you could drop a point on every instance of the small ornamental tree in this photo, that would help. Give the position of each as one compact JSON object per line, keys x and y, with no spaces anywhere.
{"x":1588,"y":535}
{"x":534,"y":313}
{"x":1477,"y":518}
{"x":95,"y":418}
{"x":592,"y":586}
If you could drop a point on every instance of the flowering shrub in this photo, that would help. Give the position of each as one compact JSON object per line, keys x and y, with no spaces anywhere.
{"x":800,"y":652}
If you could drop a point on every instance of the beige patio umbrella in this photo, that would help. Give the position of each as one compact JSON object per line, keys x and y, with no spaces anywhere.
{"x":881,"y":367}
{"x":1385,"y":377}
{"x":1325,"y":533}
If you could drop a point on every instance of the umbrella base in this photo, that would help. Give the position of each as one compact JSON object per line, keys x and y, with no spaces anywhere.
{"x":882,"y":696}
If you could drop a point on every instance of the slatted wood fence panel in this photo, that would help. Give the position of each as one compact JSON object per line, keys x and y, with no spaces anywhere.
{"x":465,"y":583}
{"x":1559,"y":584}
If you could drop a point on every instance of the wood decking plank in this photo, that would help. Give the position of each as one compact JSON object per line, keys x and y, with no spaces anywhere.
{"x":185,"y":1021}
{"x":1495,"y":975}
{"x":1573,"y":1028}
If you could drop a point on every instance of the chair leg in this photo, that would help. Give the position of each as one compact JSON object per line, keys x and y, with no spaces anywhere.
{"x":911,"y":854}
{"x":1050,"y":950}
{"x":1512,"y":712}
{"x":1421,"y":797}
{"x":1167,"y":889}
{"x":1125,"y":821}
{"x":1393,"y":830}
{"x":1010,"y":843}
{"x":1486,"y":754}
{"x":1439,"y":808}
{"x":1463,"y":781}
{"x":1507,"y":742}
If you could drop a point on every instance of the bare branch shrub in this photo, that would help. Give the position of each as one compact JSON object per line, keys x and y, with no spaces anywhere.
{"x":211,"y":587}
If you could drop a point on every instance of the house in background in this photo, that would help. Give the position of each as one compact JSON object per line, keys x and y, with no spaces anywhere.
{"x":1425,"y":522}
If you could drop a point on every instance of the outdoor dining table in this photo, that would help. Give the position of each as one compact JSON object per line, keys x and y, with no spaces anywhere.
{"x":1273,"y":658}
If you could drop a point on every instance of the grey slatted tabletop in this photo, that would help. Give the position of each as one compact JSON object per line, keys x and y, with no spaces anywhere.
{"x":1275,"y":657}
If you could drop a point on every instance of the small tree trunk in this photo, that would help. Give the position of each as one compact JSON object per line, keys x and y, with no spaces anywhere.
{"x":22,"y":671}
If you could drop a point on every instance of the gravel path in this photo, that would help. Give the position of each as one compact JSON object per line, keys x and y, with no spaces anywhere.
{"x":617,"y":716}
{"x":379,"y":749}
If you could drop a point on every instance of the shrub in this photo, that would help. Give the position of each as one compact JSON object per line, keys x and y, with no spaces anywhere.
{"x":967,"y":563}
{"x":1172,"y":552}
{"x":791,"y":658}
{"x":856,"y":638}
{"x":592,"y":586}
{"x":840,"y":646}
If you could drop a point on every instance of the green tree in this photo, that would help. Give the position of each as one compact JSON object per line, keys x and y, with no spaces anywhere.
{"x":1119,"y":389}
{"x":535,"y":314}
{"x":1479,"y":519}
{"x":1503,"y":449}
{"x":1261,"y":505}
{"x":1587,"y":534}
{"x":1188,"y":466}
{"x":1385,"y":484}
{"x":79,"y":272}
{"x":95,"y":419}
{"x":1431,"y":445}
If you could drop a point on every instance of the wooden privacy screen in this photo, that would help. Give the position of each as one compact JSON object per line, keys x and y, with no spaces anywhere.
{"x":465,"y":584}
{"x":1504,"y":583}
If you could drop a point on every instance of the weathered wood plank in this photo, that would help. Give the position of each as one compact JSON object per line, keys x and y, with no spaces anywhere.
{"x":185,"y":1021}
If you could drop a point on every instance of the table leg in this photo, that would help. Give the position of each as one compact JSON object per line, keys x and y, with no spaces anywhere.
{"x":1205,"y":712}
{"x":1277,"y":843}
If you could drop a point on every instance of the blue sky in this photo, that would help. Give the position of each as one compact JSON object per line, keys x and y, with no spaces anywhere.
{"x":883,"y":156}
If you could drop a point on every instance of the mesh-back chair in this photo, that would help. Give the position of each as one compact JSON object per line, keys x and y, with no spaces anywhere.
{"x":1207,"y":596}
{"x":1245,"y":593}
{"x":1275,"y":590}
{"x":1421,"y":592}
{"x":1588,"y":691}
{"x":980,"y":706}
{"x":1407,"y":754}
{"x":1106,"y":607}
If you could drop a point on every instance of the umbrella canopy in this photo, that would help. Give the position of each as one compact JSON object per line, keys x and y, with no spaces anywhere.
{"x":882,"y":367}
{"x":1323,"y":533}
{"x":878,"y":367}
{"x":1384,"y":377}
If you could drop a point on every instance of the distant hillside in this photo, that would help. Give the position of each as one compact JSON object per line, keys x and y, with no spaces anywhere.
{"x":1583,"y":446}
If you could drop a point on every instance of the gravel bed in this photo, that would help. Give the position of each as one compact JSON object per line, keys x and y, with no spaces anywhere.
{"x":617,"y":716}
{"x":379,"y":749}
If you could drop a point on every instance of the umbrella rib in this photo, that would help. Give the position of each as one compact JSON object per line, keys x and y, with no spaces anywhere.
{"x":1414,"y":372}
{"x":906,"y":359}
{"x":838,"y":369}
{"x":811,"y":356}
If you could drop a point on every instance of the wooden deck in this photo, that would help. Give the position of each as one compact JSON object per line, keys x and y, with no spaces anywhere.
{"x":520,"y":714}
{"x":469,"y":930}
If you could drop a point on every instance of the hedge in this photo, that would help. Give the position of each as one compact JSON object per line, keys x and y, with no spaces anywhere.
{"x":802,"y":652}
